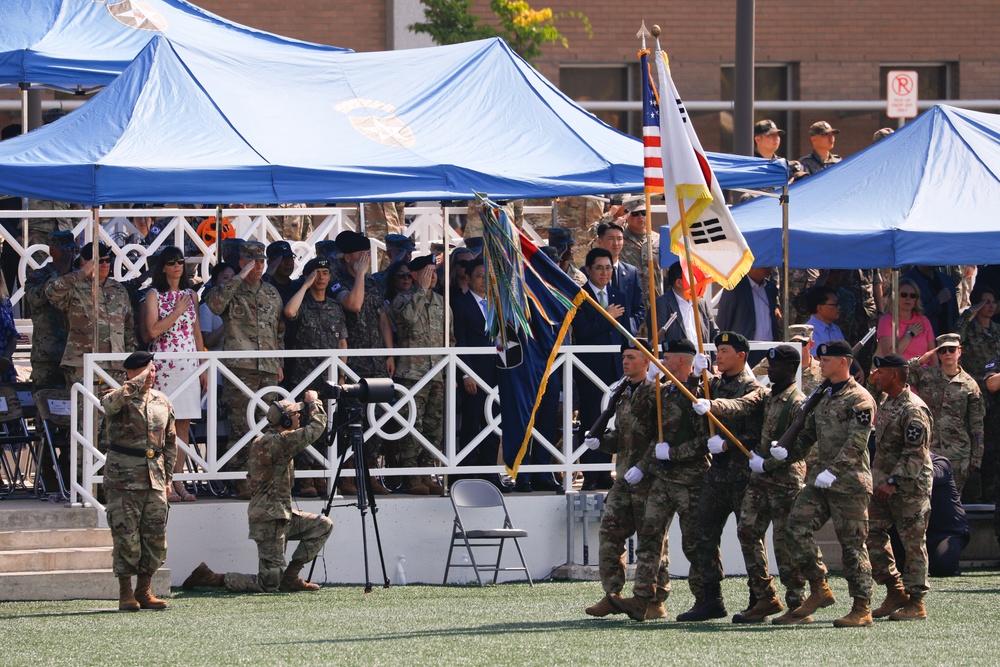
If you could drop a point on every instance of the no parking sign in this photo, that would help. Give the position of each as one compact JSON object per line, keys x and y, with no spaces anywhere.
{"x":901,"y":93}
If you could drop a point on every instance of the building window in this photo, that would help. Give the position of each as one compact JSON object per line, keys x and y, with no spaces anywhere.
{"x":935,"y":81}
{"x":771,"y":82}
{"x":605,"y":83}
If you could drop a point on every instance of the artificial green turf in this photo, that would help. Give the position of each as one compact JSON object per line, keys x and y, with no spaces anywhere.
{"x":509,"y":624}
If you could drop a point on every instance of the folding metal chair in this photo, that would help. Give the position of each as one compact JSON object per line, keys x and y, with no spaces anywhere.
{"x":54,"y":407}
{"x":479,"y":498}
{"x":18,"y":447}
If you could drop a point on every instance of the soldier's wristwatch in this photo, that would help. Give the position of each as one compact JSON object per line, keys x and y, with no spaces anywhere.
{"x":892,"y":481}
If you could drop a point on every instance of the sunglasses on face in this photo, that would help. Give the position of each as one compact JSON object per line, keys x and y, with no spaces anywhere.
{"x":404,"y":276}
{"x":636,"y":214}
{"x":947,"y":350}
{"x":174,"y":262}
{"x":104,"y":260}
{"x":907,"y":295}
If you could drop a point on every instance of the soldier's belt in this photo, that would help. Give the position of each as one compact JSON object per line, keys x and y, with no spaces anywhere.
{"x":149,"y":453}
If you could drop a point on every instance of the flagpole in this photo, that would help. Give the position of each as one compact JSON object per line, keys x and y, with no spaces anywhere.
{"x":656,"y":362}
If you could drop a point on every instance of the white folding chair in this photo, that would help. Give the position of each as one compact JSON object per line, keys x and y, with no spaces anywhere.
{"x":478,"y":499}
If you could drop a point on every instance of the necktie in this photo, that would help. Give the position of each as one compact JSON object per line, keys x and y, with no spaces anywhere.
{"x":614,"y":277}
{"x":602,"y":299}
{"x":482,"y":306}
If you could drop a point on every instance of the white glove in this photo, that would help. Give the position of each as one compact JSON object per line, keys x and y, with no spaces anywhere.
{"x":633,"y":475}
{"x":825,"y":480}
{"x":592,"y":443}
{"x":701,"y":363}
{"x":663,"y":451}
{"x":716,"y":444}
{"x":702,"y":406}
{"x":779,"y":453}
{"x":756,"y":463}
{"x":653,"y":373}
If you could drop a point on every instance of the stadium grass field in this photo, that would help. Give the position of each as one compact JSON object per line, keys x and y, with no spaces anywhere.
{"x":510,"y":624}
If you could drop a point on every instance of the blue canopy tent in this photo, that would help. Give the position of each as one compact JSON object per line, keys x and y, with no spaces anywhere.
{"x":927,"y":194}
{"x":192,"y":125}
{"x":73,"y":44}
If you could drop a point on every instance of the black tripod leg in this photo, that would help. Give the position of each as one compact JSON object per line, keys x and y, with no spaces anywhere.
{"x":378,"y":535}
{"x":363,"y":482}
{"x":328,"y":507}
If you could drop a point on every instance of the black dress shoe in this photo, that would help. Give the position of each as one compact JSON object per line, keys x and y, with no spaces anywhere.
{"x":548,"y":485}
{"x":589,"y":485}
{"x":605,"y":483}
{"x":497,"y":482}
{"x":522,"y":487}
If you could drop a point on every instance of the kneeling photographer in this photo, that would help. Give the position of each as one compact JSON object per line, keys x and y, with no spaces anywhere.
{"x":273,"y":522}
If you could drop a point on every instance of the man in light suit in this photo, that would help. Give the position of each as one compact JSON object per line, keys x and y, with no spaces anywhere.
{"x":624,"y":276}
{"x":590,"y":327}
{"x":751,"y":310}
{"x":677,"y":300}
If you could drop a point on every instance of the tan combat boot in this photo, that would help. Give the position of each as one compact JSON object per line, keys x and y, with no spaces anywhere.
{"x":290,"y":581}
{"x":914,"y":610}
{"x":759,"y":612}
{"x":378,"y":488}
{"x":432,"y":486}
{"x":126,"y":599}
{"x":858,"y":617}
{"x":415,"y":486}
{"x":788,"y":618}
{"x":820,"y":596}
{"x":895,"y":598}
{"x":203,"y":576}
{"x":634,"y":607}
{"x":655,"y":610}
{"x":604,"y":607}
{"x":144,"y":593}
{"x":307,"y":488}
{"x":347,"y":486}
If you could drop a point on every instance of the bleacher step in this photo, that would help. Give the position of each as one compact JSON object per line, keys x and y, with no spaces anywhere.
{"x":53,"y":539}
{"x":92,"y":584}
{"x":58,"y":559}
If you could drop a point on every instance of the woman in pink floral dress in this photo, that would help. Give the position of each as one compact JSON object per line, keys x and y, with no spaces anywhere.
{"x":170,"y":321}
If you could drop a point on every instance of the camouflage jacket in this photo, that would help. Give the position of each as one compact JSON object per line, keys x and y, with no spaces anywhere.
{"x":48,"y":323}
{"x":813,"y":164}
{"x":139,"y":421}
{"x":271,"y":473}
{"x":812,"y":377}
{"x":318,"y":325}
{"x":253,"y":320}
{"x":791,"y":472}
{"x":364,"y":328}
{"x":419,"y":319}
{"x":902,"y":436}
{"x":840,"y":426}
{"x":635,"y":427}
{"x":731,"y":465}
{"x":634,"y":252}
{"x":979,"y":345}
{"x":958,"y":409}
{"x":116,"y":324}
{"x":687,"y":434}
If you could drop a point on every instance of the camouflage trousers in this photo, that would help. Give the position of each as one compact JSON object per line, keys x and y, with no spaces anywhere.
{"x":428,"y":406}
{"x":138,"y":523}
{"x":236,"y":403}
{"x":682,"y":501}
{"x":47,"y":374}
{"x":849,"y":513}
{"x":311,"y":531}
{"x":765,"y":504}
{"x":910,"y":514}
{"x":638,"y":509}
{"x":717,"y":501}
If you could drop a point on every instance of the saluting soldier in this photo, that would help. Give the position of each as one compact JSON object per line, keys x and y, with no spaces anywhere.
{"x":902,"y":476}
{"x":48,"y":323}
{"x":137,"y":475}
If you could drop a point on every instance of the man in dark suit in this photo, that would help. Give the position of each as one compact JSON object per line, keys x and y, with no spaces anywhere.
{"x":751,"y":310}
{"x":469,"y":311}
{"x":624,"y":276}
{"x":677,"y":300}
{"x":590,"y":327}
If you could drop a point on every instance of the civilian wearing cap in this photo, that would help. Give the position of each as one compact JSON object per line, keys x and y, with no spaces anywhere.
{"x":778,"y":474}
{"x":418,"y":315}
{"x":142,"y":448}
{"x":634,"y":250}
{"x":280,"y":266}
{"x":315,"y":321}
{"x":902,"y":475}
{"x":72,"y":295}
{"x":822,"y":137}
{"x":956,"y":403}
{"x":751,"y":309}
{"x":726,"y":480}
{"x":766,"y":139}
{"x":838,"y":486}
{"x":398,"y":250}
{"x":48,"y":338}
{"x":251,"y":314}
{"x":676,"y":301}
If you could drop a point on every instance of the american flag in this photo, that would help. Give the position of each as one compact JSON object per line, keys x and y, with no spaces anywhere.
{"x":652,"y":160}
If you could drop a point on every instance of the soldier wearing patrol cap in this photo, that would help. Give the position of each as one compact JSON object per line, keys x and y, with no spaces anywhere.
{"x":778,"y":475}
{"x":838,"y":487}
{"x":398,"y":248}
{"x":48,"y":338}
{"x":280,"y":266}
{"x":766,"y":139}
{"x":956,"y":403}
{"x":251,"y":312}
{"x":634,"y":250}
{"x":137,"y":477}
{"x":823,"y":137}
{"x":562,"y":240}
{"x":902,"y":476}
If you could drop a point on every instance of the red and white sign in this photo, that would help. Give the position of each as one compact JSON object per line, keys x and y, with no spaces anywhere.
{"x":901,"y":87}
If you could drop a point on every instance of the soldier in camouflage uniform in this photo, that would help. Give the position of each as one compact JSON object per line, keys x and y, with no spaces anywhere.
{"x":419,"y":319}
{"x":40,"y":228}
{"x":800,"y":281}
{"x":902,"y":475}
{"x":251,"y":312}
{"x":778,"y":476}
{"x":957,"y":405}
{"x":636,"y":253}
{"x":72,"y":294}
{"x":634,"y":503}
{"x":727,"y":478}
{"x":397,"y":248}
{"x":812,"y":376}
{"x":384,"y":218}
{"x":838,"y":487}
{"x":562,"y":240}
{"x":48,"y":337}
{"x":137,"y":476}
{"x":979,"y":334}
{"x":272,"y":520}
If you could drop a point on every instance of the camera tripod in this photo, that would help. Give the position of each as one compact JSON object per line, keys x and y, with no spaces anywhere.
{"x":353,"y":428}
